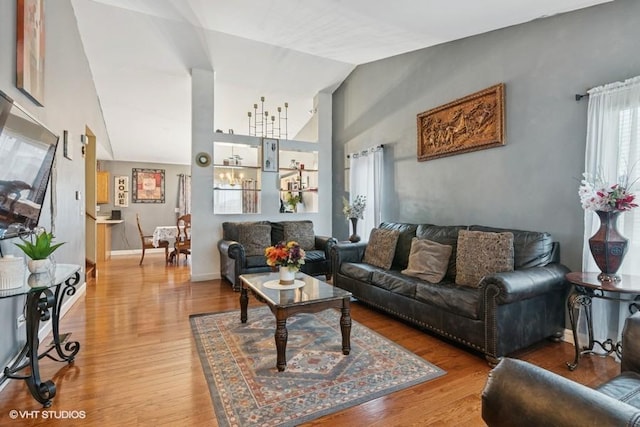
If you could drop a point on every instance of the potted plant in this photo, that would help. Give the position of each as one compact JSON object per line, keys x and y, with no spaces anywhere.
{"x":39,"y":250}
{"x":293,"y":201}
{"x":288,"y":256}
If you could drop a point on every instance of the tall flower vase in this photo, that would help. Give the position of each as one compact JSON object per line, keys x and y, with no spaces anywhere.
{"x":608,"y":246}
{"x":354,"y":226}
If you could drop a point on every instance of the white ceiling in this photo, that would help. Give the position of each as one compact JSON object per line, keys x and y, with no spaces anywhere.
{"x":141,"y":51}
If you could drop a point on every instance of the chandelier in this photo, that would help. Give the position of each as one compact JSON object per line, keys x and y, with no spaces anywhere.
{"x":266,"y":126}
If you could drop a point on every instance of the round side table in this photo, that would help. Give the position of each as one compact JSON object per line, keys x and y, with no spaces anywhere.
{"x":587,"y":286}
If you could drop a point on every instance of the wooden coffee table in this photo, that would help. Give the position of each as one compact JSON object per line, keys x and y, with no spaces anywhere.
{"x":313,"y":296}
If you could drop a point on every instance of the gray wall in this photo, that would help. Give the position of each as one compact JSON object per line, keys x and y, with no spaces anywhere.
{"x":532,"y":182}
{"x":70,"y":103}
{"x":125,"y":236}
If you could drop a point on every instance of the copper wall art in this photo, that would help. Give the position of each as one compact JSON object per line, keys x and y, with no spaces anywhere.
{"x":472,"y":123}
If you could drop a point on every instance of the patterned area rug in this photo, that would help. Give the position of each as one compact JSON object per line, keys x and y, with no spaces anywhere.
{"x":239,"y":362}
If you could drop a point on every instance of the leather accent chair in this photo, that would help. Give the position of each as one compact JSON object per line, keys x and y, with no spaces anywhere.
{"x":520,"y":394}
{"x":237,"y":258}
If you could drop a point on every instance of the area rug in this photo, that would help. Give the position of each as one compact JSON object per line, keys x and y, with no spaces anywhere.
{"x":239,"y":362}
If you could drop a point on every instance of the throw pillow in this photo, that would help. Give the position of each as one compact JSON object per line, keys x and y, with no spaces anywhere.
{"x":255,"y":238}
{"x":428,"y":260}
{"x":381,"y":248}
{"x":481,"y":253}
{"x":301,"y":232}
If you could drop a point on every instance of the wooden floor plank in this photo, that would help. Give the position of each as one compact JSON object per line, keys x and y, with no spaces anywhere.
{"x":138,"y":364}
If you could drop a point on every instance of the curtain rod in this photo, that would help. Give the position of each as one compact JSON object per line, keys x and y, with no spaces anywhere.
{"x":376,"y":147}
{"x":580,"y":96}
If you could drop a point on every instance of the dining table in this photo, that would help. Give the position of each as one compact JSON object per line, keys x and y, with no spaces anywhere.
{"x":165,"y":232}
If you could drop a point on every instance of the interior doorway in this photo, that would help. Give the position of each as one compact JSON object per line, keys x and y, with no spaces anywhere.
{"x":90,"y":202}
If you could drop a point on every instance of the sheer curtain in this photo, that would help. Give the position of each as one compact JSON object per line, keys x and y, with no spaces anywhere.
{"x":184,"y":194}
{"x":365,"y":178}
{"x":612,"y":150}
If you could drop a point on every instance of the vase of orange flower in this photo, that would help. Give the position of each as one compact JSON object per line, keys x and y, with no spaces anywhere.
{"x":289,"y":257}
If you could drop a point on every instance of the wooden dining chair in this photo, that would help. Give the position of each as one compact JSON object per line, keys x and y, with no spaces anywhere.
{"x":147,"y":242}
{"x":183,"y":239}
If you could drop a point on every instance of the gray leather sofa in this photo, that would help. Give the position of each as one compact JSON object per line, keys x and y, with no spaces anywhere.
{"x":237,"y":257}
{"x":520,"y":394}
{"x":506,"y":312}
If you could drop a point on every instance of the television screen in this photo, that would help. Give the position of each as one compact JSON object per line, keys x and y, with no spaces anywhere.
{"x":27,"y":151}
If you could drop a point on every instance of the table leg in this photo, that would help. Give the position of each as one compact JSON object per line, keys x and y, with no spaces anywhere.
{"x":345,"y":326}
{"x":281,"y":337}
{"x":244,"y":302}
{"x":71,"y":347}
{"x":574,"y":303}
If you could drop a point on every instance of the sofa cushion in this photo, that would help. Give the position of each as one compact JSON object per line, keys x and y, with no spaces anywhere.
{"x":460,"y":300}
{"x":381,"y":248}
{"x":481,"y":253}
{"x":255,"y":238}
{"x":403,"y":247}
{"x":428,"y":260}
{"x":625,"y":387}
{"x":230,"y":229}
{"x":530,"y":248}
{"x":314,"y":255}
{"x":358,"y":271}
{"x":395,"y":282}
{"x":445,"y":235}
{"x":256,"y":261}
{"x":297,"y":231}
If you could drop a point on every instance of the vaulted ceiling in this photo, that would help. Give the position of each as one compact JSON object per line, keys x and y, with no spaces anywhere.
{"x":141,"y":52}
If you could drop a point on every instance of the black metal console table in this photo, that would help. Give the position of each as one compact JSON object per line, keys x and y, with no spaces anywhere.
{"x":45,"y":293}
{"x":587,"y":286}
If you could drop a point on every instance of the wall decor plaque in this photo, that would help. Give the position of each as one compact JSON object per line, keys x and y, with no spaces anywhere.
{"x":148,"y":185}
{"x":30,"y":49}
{"x":472,"y":123}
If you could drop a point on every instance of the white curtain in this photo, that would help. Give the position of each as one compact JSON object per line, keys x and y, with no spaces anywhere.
{"x":184,"y":194}
{"x":366,"y":178}
{"x":612,"y":150}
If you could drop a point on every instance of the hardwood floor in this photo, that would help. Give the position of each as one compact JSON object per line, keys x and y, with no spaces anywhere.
{"x":138,"y":364}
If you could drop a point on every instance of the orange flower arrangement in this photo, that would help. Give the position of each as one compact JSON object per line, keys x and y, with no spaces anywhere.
{"x":289,"y":255}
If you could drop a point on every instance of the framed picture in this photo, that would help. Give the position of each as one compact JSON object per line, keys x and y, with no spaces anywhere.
{"x":67,"y":145}
{"x":472,"y":123}
{"x":148,"y":185}
{"x":30,"y":49}
{"x":270,"y":155}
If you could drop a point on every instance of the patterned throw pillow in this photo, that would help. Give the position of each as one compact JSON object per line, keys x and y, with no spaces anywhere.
{"x":481,"y":253}
{"x":428,"y":260}
{"x":381,"y":248}
{"x":301,"y":232}
{"x":255,"y":238}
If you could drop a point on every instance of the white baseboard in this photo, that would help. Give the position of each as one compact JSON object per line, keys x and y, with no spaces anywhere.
{"x":136,"y":251}
{"x":46,"y":328}
{"x":203,"y":277}
{"x":567,"y":336}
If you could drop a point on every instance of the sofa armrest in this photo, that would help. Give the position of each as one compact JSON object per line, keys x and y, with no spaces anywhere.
{"x":232,"y":249}
{"x":631,"y":344}
{"x":325,"y":243}
{"x":522,"y":394}
{"x":526,"y":283}
{"x":346,"y":252}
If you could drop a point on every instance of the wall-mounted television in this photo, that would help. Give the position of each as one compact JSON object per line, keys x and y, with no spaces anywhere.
{"x":27,"y":152}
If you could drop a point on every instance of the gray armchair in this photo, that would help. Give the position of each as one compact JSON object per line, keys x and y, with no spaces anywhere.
{"x":520,"y":394}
